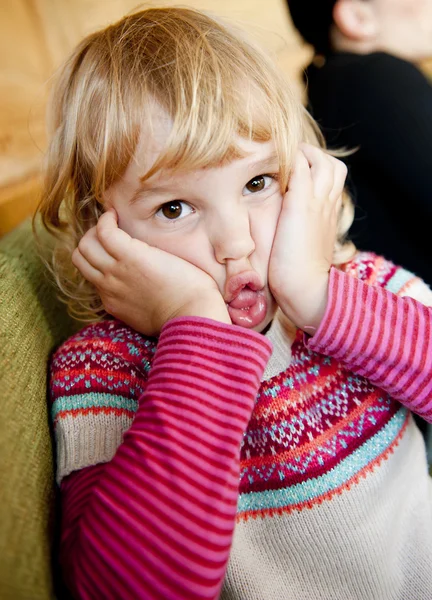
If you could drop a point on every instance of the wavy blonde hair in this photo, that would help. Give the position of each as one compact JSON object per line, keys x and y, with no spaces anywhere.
{"x":213,"y":83}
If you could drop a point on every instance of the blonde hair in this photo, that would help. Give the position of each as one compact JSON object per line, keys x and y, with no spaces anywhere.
{"x":213,"y":83}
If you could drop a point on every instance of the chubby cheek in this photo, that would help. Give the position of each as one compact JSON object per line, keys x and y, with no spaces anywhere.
{"x":263,"y":225}
{"x":192,"y":247}
{"x":263,"y":229}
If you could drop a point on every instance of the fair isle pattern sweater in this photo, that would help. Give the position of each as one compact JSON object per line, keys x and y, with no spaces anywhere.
{"x":165,"y":445}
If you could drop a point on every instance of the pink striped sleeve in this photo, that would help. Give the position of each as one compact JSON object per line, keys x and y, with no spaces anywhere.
{"x":157,"y":521}
{"x":381,"y":336}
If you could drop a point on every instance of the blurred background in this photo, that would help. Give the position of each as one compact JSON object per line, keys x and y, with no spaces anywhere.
{"x":37,"y":35}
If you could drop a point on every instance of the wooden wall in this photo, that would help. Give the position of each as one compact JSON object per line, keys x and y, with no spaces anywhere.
{"x":36,"y":36}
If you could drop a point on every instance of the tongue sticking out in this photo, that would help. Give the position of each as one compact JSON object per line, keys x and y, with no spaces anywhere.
{"x":248,"y":308}
{"x":244,"y":299}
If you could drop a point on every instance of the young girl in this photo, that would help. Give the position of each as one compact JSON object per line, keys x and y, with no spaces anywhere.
{"x":242,"y":428}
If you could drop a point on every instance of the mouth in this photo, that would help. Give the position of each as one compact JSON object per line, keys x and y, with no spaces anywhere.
{"x":246,"y":300}
{"x":247,"y":279}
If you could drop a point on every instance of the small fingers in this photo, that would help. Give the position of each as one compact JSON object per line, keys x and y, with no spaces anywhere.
{"x":114,"y":240}
{"x":92,"y":250}
{"x":87,"y":270}
{"x":322,"y":170}
{"x":300,"y":182}
{"x":328,"y":173}
{"x":340,"y":175}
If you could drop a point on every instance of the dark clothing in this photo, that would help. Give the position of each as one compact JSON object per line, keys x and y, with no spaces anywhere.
{"x":383,"y":105}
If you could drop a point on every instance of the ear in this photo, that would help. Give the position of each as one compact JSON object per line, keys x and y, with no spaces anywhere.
{"x":355,"y":19}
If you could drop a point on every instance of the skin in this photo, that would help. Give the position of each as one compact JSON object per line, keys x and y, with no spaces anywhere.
{"x":223,"y":228}
{"x":231,"y":219}
{"x":399,"y":27}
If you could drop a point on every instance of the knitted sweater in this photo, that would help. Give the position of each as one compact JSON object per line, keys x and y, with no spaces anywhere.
{"x":183,"y":472}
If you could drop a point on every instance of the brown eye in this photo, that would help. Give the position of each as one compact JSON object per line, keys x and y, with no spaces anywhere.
{"x":172,"y":210}
{"x":175,"y":210}
{"x":259,"y":183}
{"x":256,"y":184}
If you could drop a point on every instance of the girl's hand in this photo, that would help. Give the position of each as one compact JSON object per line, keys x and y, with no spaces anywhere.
{"x":141,"y":285}
{"x":305,"y":237}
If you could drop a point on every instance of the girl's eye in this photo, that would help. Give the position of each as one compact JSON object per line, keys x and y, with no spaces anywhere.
{"x":257,"y":184}
{"x":176,"y":209}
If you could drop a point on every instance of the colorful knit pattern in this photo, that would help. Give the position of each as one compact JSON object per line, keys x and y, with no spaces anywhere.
{"x":377,"y":271}
{"x":102,"y":369}
{"x":317,"y":428}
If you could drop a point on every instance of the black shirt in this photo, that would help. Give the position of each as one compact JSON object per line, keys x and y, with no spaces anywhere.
{"x":383,"y":105}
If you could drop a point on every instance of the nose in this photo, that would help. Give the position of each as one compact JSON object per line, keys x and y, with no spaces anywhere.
{"x":231,"y":235}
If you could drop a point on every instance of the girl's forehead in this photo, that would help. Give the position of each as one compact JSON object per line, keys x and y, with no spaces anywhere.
{"x":153,"y":144}
{"x":177,"y":141}
{"x":154,"y":136}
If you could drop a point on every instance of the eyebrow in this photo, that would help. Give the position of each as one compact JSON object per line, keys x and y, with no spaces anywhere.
{"x":144,"y":192}
{"x":270,"y":160}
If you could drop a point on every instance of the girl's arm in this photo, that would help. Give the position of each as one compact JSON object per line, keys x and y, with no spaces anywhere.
{"x":370,"y":330}
{"x":381,"y":336}
{"x":157,"y":521}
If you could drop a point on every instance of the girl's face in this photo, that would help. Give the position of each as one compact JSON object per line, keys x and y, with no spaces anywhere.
{"x":221,"y":219}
